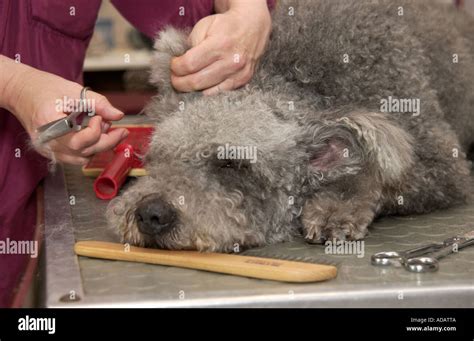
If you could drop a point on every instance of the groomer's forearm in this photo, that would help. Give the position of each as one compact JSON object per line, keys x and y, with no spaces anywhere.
{"x":221,"y":6}
{"x":10,"y":73}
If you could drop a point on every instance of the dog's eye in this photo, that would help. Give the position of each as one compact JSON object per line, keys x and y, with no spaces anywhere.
{"x":231,"y":164}
{"x":227,"y":164}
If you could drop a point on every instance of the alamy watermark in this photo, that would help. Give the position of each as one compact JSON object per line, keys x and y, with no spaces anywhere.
{"x":67,"y":105}
{"x":19,"y":247}
{"x":47,"y":324}
{"x":231,"y":152}
{"x":344,"y":247}
{"x":400,"y":105}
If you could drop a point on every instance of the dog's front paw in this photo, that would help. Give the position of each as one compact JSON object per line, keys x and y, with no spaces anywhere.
{"x":326,"y":218}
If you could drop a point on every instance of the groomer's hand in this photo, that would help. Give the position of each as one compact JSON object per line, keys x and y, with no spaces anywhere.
{"x":33,"y":95}
{"x":226,"y":48}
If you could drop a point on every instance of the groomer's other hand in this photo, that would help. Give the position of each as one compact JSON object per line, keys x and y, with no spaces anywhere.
{"x":33,"y":95}
{"x":226,"y":48}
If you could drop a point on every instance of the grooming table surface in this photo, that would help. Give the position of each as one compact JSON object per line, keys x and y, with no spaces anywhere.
{"x":94,"y":282}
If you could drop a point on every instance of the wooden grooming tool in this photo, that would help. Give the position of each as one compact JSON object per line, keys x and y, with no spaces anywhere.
{"x":232,"y":264}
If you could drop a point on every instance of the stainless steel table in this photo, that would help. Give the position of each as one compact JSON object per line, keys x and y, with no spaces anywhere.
{"x":72,"y":212}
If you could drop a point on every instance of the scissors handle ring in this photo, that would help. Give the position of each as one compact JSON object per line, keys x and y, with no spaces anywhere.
{"x":422,"y":264}
{"x":385,"y":258}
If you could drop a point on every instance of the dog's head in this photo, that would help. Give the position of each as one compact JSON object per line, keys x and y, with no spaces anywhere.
{"x":224,"y":173}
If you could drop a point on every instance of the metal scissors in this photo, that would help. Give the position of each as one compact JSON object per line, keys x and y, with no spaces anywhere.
{"x":75,"y":121}
{"x":424,"y":258}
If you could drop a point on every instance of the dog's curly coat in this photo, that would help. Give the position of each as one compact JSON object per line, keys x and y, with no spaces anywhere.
{"x":328,"y":159}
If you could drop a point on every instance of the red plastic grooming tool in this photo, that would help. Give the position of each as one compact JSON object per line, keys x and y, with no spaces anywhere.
{"x":113,"y":167}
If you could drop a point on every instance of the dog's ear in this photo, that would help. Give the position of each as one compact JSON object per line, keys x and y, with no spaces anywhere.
{"x":358,"y":141}
{"x":333,"y":151}
{"x":169,"y":43}
{"x":329,"y":155}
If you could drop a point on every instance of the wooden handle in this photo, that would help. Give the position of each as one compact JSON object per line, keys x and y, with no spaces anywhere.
{"x":255,"y":267}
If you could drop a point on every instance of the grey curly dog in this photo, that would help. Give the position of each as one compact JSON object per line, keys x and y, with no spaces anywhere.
{"x":358,"y":109}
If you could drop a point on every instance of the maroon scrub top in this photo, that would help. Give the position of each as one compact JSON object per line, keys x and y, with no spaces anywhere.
{"x":44,"y":34}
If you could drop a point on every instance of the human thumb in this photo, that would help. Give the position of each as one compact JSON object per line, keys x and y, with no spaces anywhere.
{"x":103,"y":108}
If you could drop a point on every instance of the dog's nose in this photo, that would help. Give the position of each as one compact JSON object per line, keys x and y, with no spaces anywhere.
{"x":153,"y":216}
